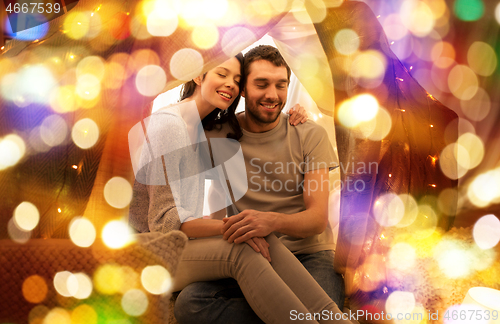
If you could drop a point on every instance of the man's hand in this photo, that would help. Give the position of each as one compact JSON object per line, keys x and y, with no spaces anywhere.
{"x":246,"y":225}
{"x":260,"y":245}
{"x":298,"y":114}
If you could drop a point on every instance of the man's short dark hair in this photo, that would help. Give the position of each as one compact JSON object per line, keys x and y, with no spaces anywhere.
{"x":264,"y":52}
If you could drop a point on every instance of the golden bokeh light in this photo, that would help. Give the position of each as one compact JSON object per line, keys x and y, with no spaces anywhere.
{"x":474,"y":147}
{"x":497,"y":13}
{"x":135,"y":302}
{"x":463,"y":82}
{"x":485,"y":188}
{"x":388,"y":210}
{"x":26,"y":216}
{"x":486,"y":231}
{"x":478,"y":107}
{"x":79,"y":285}
{"x":160,"y":25}
{"x":156,"y":279}
{"x":62,"y":99}
{"x":115,"y":75}
{"x":482,"y":58}
{"x":447,"y":201}
{"x":61,"y":283}
{"x":346,"y":41}
{"x":82,"y":232}
{"x":57,"y":315}
{"x":316,"y":10}
{"x":410,"y":210}
{"x":76,"y":24}
{"x":108,"y":279}
{"x":454,"y":161}
{"x":144,"y":57}
{"x":205,"y":36}
{"x":453,"y":260}
{"x":400,"y":302}
{"x":12,"y":150}
{"x":370,"y":64}
{"x":417,"y":17}
{"x":118,"y":192}
{"x":88,"y":86}
{"x":117,"y":234}
{"x":53,"y":130}
{"x":258,"y":12}
{"x":85,"y":133}
{"x":358,"y":109}
{"x":186,"y":64}
{"x":402,"y":256}
{"x":84,"y":314}
{"x":93,"y":65}
{"x":150,"y":80}
{"x":215,"y":9}
{"x":443,"y":55}
{"x":425,"y":223}
{"x":35,"y":289}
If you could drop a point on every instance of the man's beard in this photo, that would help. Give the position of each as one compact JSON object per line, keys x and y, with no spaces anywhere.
{"x":261,"y":117}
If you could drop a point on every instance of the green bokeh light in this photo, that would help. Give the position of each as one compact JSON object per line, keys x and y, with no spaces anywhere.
{"x":469,"y":10}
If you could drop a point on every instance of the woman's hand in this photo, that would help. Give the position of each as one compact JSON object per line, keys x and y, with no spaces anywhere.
{"x":259,"y":244}
{"x":298,"y":114}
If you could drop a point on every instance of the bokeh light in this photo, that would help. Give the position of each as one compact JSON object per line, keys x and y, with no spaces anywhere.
{"x":109,"y":279}
{"x":88,"y":87}
{"x":257,"y":12}
{"x":370,"y":64}
{"x":497,"y":13}
{"x":37,"y":314}
{"x":32,"y":83}
{"x":346,"y":41}
{"x":76,"y":24}
{"x":474,"y":147}
{"x":116,"y":234}
{"x":93,"y":65}
{"x":58,"y":315}
{"x":425,"y":223}
{"x":62,"y":99}
{"x":463,"y":82}
{"x":150,"y":80}
{"x":478,"y":107}
{"x":449,"y":161}
{"x":135,"y":302}
{"x":453,"y":260}
{"x":186,"y":64}
{"x":83,"y":314}
{"x":394,"y":27}
{"x":402,"y":256}
{"x":85,"y":133}
{"x":469,"y":10}
{"x":12,"y":150}
{"x":400,"y":302}
{"x":482,"y":58}
{"x":388,"y":210}
{"x":359,"y":109}
{"x":35,"y":289}
{"x":485,"y":188}
{"x":82,"y":232}
{"x":79,"y":286}
{"x":61,"y":283}
{"x":486,"y":231}
{"x":26,"y":216}
{"x":417,"y":17}
{"x":16,"y":234}
{"x":160,"y":25}
{"x":53,"y":130}
{"x":410,"y":210}
{"x":205,"y":36}
{"x":156,"y":279}
{"x":118,"y":192}
{"x":447,"y":201}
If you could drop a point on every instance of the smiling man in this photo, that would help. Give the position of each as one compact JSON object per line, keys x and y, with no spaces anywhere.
{"x":287,"y":170}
